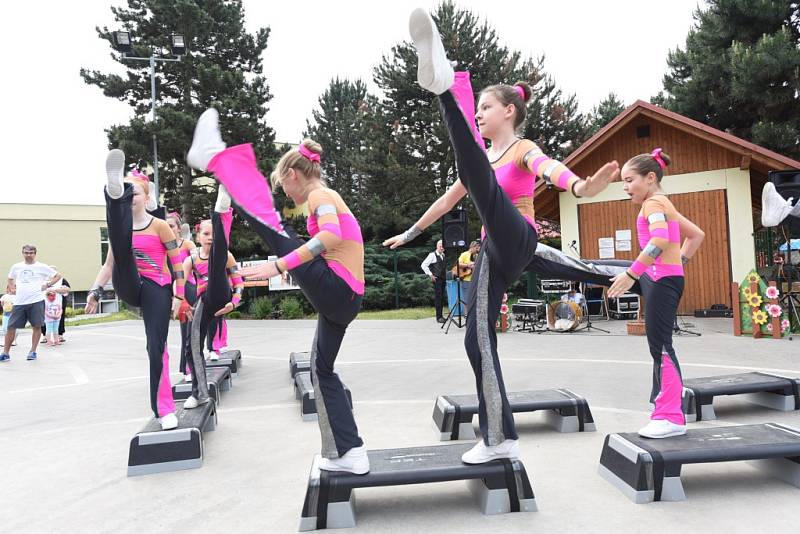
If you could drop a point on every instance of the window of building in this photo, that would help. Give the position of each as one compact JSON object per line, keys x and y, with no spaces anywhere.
{"x":103,"y":244}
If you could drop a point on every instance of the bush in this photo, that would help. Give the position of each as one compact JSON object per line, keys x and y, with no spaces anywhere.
{"x":70,"y":312}
{"x":261,"y":308}
{"x":235,"y":314}
{"x":291,"y":308}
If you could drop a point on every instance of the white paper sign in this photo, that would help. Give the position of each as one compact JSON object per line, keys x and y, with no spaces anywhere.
{"x":623,"y":235}
{"x":607,"y":253}
{"x":605,"y":242}
{"x":624,"y":246}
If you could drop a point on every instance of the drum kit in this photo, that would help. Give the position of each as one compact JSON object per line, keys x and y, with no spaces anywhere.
{"x":557,"y":316}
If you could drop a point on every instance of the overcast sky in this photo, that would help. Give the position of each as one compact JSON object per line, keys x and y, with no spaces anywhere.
{"x":54,"y":144}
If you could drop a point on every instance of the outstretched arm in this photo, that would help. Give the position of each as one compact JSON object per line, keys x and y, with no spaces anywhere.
{"x":559,"y":175}
{"x":103,"y":276}
{"x":436,"y":211}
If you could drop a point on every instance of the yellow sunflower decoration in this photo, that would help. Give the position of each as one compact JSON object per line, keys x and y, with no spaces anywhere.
{"x":746,"y":291}
{"x":753,"y":278}
{"x":759,"y":317}
{"x":755,"y":300}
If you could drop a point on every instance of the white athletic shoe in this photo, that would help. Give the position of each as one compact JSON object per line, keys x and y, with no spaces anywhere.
{"x":434,"y":71}
{"x":223,"y":200}
{"x":213,"y":355}
{"x":207,"y":141}
{"x":482,"y":453}
{"x":115,"y":171}
{"x":152,"y":205}
{"x":192,"y":402}
{"x":354,"y":461}
{"x":661,"y":428}
{"x":774,"y":208}
{"x":168,"y":422}
{"x":187,"y":377}
{"x":795,"y":210}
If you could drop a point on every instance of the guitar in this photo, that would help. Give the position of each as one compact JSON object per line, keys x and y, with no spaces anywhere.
{"x":461,"y":272}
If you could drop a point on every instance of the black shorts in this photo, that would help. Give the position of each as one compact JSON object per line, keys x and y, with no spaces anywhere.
{"x":27,"y":313}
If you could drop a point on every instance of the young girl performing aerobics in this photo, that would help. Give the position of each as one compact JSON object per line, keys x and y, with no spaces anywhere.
{"x":501,"y":186}
{"x":137,"y":265}
{"x":185,"y":248}
{"x":658,"y":271}
{"x":329,"y":268}
{"x":216,"y":273}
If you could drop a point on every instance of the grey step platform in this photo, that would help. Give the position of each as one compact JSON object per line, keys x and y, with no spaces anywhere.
{"x":153,"y":450}
{"x":500,"y":486}
{"x":230,"y":358}
{"x":565,"y":411}
{"x":298,"y":362}
{"x":304,"y":392}
{"x":769,"y":390}
{"x":218,"y":379}
{"x":648,"y":470}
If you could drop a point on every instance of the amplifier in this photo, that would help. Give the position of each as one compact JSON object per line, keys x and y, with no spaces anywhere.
{"x":555,"y":286}
{"x":714,"y":313}
{"x":532,"y":307}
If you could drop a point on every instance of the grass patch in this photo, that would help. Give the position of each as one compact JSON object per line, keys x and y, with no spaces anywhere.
{"x":404,"y":313}
{"x":118,"y":316}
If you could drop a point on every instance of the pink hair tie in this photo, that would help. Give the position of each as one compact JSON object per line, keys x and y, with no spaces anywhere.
{"x":657,"y":156}
{"x":313,"y":156}
{"x":520,"y":91}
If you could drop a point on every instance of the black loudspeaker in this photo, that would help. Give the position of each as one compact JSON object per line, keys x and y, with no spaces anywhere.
{"x":787,"y":184}
{"x":454,"y":229}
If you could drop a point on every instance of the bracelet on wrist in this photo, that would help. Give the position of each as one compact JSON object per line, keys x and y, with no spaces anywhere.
{"x":572,"y":189}
{"x":631,"y":276}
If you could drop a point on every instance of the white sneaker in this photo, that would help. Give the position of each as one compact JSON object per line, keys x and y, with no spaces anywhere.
{"x":795,"y":210}
{"x":661,"y":428}
{"x":115,"y":171}
{"x":213,"y":355}
{"x":774,"y":208}
{"x":354,"y":461}
{"x":168,"y":422}
{"x":187,"y":377}
{"x":152,"y":204}
{"x":223,"y":200}
{"x":434,"y":71}
{"x":482,"y":453}
{"x":207,"y":141}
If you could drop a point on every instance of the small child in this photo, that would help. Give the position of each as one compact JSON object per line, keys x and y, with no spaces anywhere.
{"x":52,"y":316}
{"x":8,"y":303}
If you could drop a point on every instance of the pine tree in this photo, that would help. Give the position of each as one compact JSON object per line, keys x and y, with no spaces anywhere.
{"x":222,"y":67}
{"x":740,"y":72}
{"x":603,"y":113}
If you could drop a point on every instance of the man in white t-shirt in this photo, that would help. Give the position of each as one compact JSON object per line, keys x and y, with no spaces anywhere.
{"x":27,"y":280}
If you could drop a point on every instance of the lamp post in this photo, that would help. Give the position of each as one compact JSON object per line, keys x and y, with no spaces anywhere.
{"x":122,"y":43}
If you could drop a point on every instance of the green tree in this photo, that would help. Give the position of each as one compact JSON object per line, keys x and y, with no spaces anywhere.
{"x":603,"y":113}
{"x":740,"y":71}
{"x":222,"y":68}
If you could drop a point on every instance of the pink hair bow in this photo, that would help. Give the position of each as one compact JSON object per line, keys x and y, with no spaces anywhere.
{"x":313,"y":156}
{"x":657,"y":156}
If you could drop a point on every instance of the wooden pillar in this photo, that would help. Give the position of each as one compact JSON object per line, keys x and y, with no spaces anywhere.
{"x":737,"y":314}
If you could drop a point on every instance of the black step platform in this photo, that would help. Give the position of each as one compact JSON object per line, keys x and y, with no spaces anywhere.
{"x":218,"y":379}
{"x":500,"y":486}
{"x":304,"y":392}
{"x":564,"y":410}
{"x":154,"y":450}
{"x":648,"y":470}
{"x":230,"y":358}
{"x":299,"y":362}
{"x":769,"y":390}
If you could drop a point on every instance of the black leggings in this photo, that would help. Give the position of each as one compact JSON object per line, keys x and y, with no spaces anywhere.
{"x":215,"y":297}
{"x":154,"y":300}
{"x":337,"y":305}
{"x":661,"y":298}
{"x":190,"y":294}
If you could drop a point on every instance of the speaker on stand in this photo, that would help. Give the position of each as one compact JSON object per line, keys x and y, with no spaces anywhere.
{"x":454,"y":229}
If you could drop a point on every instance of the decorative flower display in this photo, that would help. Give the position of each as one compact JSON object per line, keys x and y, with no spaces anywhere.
{"x":746,"y":291}
{"x":772,"y":292}
{"x":504,"y":309}
{"x":769,"y":327}
{"x":759,"y":316}
{"x":755,"y":300}
{"x":784,"y":325}
{"x":753,"y":278}
{"x":774,"y":310}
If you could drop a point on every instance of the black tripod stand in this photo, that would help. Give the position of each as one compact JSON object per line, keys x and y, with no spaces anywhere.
{"x":678,"y":330}
{"x":589,"y":326}
{"x":460,"y":306}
